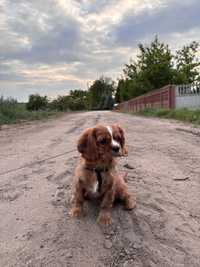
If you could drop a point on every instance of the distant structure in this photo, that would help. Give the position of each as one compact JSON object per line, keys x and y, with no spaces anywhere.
{"x":169,"y":96}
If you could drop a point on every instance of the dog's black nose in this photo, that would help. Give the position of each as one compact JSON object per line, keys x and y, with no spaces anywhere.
{"x":115,"y":149}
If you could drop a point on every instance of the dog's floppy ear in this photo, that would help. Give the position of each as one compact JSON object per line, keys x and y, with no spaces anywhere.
{"x":122,"y":139}
{"x":87,"y":144}
{"x":82,"y":142}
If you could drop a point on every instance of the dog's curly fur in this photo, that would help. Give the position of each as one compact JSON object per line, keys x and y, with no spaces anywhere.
{"x":99,"y":147}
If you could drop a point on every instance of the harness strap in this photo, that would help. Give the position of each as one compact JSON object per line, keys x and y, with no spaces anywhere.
{"x":99,"y":179}
{"x":98,"y":172}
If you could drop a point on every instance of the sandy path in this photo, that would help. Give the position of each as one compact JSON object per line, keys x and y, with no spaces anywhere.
{"x":164,"y":230}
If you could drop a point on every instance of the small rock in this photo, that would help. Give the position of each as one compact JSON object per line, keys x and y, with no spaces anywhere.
{"x":60,"y":187}
{"x":112,"y":232}
{"x":128,"y":263}
{"x":137,"y":245}
{"x":108,"y":244}
{"x":127,"y":252}
{"x":182,"y":179}
{"x":128,"y":166}
{"x":29,"y":263}
{"x":69,"y":254}
{"x":41,"y":246}
{"x":59,"y":194}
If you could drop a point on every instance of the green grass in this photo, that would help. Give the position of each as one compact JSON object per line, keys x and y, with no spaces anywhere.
{"x":13,"y":112}
{"x":184,"y":114}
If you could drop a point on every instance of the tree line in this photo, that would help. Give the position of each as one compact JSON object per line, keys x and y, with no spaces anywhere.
{"x":99,"y":96}
{"x":154,"y":66}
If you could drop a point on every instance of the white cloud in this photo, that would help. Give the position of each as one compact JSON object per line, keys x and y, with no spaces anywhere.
{"x":54,"y":45}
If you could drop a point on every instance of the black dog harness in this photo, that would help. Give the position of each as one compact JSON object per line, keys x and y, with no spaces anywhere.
{"x":98,"y":171}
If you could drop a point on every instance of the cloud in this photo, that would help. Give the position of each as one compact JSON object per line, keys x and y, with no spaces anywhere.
{"x":52,"y":46}
{"x":38,"y":33}
{"x":173,"y":17}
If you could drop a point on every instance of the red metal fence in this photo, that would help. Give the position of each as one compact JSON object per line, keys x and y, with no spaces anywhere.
{"x":160,"y":98}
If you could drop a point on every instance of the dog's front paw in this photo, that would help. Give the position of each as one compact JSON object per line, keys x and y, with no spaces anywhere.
{"x":75,"y":212}
{"x":104,"y":218}
{"x":129,"y":204}
{"x":124,"y":152}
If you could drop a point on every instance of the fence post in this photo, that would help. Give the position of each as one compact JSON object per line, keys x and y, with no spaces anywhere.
{"x":171,"y":96}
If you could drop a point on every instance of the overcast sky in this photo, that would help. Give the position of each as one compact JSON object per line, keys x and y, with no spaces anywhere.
{"x":52,"y":46}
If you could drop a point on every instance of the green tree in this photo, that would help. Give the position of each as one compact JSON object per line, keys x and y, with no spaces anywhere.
{"x":76,"y":100}
{"x":61,"y":103}
{"x":101,"y":94}
{"x":78,"y":93}
{"x":152,"y":69}
{"x":187,"y":62}
{"x":81,"y":97}
{"x":155,"y":66}
{"x":37,"y":102}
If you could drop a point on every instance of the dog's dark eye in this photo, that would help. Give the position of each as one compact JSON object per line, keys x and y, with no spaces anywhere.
{"x":117,"y":137}
{"x":102,"y":141}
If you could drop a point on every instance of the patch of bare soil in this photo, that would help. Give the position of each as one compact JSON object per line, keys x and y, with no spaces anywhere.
{"x":163,"y":171}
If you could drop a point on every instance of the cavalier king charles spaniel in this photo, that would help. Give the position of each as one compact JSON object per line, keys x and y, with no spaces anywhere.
{"x":96,"y":175}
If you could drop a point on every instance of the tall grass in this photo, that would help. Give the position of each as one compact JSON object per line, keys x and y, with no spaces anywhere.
{"x":11,"y":112}
{"x":183,"y":114}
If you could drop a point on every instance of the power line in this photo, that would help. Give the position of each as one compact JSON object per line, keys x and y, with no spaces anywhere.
{"x":37,"y":162}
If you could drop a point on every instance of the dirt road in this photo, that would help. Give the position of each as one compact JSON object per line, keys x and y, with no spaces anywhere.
{"x":164,"y":229}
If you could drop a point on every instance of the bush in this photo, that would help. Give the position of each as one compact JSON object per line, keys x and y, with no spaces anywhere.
{"x":37,"y":102}
{"x":9,"y":108}
{"x":66,"y":103}
{"x":11,"y":111}
{"x":183,"y":114}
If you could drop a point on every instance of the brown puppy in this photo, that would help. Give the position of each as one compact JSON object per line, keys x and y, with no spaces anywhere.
{"x":96,"y":175}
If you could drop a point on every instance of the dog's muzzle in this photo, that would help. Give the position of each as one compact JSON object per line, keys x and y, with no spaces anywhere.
{"x":115,"y":151}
